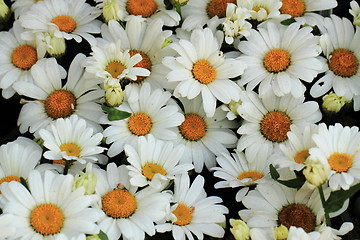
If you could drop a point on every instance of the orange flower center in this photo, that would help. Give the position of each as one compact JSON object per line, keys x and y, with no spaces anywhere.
{"x":47,"y":219}
{"x":340,"y":162}
{"x":301,"y":156}
{"x":254,"y":175}
{"x":193,"y":128}
{"x":65,"y":23}
{"x":60,"y":104}
{"x":140,"y":124}
{"x":24,"y":57}
{"x":276,"y":60}
{"x":71,"y":149}
{"x":183,"y":214}
{"x":115,"y":68}
{"x":295,"y":8}
{"x":119,"y":203}
{"x":343,"y":62}
{"x":203,"y":71}
{"x":144,"y":63}
{"x":150,"y":169}
{"x":145,"y":8}
{"x":218,"y":7}
{"x":298,"y":215}
{"x":275,"y":125}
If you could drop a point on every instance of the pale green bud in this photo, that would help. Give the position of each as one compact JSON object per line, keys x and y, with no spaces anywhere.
{"x":55,"y":46}
{"x":4,"y":11}
{"x":315,"y":172}
{"x":333,"y":102}
{"x":93,"y":237}
{"x":240,"y":229}
{"x":110,"y":10}
{"x":355,"y":12}
{"x":281,"y":232}
{"x":179,"y":2}
{"x":86,"y":179}
{"x":114,"y":95}
{"x":166,"y":42}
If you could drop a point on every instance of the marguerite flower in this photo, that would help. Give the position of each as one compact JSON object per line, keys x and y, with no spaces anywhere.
{"x":339,"y":44}
{"x":69,"y":19}
{"x":204,"y":138}
{"x":278,"y":57}
{"x":128,"y":212}
{"x":151,"y":113}
{"x":154,"y":162}
{"x":202,"y":69}
{"x":49,"y":209}
{"x":192,"y":212}
{"x":17,"y":58}
{"x":78,"y":96}
{"x":20,"y":7}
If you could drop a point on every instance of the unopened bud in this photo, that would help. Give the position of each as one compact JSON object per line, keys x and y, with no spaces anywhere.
{"x":239,"y":229}
{"x":55,"y":46}
{"x":333,"y":102}
{"x":355,"y":12}
{"x":86,"y":179}
{"x":4,"y":12}
{"x":110,"y":10}
{"x":93,"y":237}
{"x":281,"y":232}
{"x":179,"y":2}
{"x":315,"y":172}
{"x":114,"y":95}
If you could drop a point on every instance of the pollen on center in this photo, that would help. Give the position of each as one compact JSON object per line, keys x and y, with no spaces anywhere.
{"x":140,"y":124}
{"x":47,"y":219}
{"x":144,"y":8}
{"x":115,"y":68}
{"x":276,"y":60}
{"x":275,"y":126}
{"x":298,"y":215}
{"x":65,"y":23}
{"x":340,"y":162}
{"x":24,"y":57}
{"x":203,"y":71}
{"x":343,"y":62}
{"x":193,"y":128}
{"x":144,"y":63}
{"x":119,"y":203}
{"x":60,"y":104}
{"x":150,"y":169}
{"x":295,"y":8}
{"x":301,"y":156}
{"x":183,"y":214}
{"x":218,"y":7}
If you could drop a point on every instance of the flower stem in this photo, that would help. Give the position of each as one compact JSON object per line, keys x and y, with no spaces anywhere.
{"x":67,"y":166}
{"x":323,"y":202}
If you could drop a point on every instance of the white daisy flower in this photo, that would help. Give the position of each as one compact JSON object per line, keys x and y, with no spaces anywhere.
{"x":242,"y":170}
{"x":111,"y":63}
{"x":49,"y":209}
{"x":128,"y":212}
{"x":68,"y":19}
{"x":17,"y":58}
{"x":154,"y":162}
{"x":151,"y":113}
{"x":148,"y":9}
{"x":204,"y":138}
{"x":340,"y":46}
{"x":71,"y":140}
{"x":268,"y":120}
{"x":277,"y":63}
{"x":339,"y":147}
{"x":7,"y":228}
{"x":20,"y":7}
{"x":78,"y":96}
{"x":193,"y":212}
{"x":202,"y":69}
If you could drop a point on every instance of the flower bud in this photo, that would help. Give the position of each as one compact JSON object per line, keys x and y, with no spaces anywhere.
{"x":333,"y":102}
{"x":93,"y":237}
{"x":110,"y":10}
{"x":355,"y":12}
{"x":240,"y":229}
{"x":55,"y":46}
{"x":114,"y":95}
{"x":179,"y":2}
{"x":4,"y":12}
{"x":315,"y":172}
{"x":281,"y":232}
{"x":86,"y":179}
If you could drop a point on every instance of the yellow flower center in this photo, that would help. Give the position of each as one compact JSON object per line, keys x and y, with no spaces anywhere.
{"x":254,"y":175}
{"x":276,"y":60}
{"x":295,"y":8}
{"x":343,"y":62}
{"x":274,"y":126}
{"x":340,"y":162}
{"x":119,"y":203}
{"x":203,"y":71}
{"x":47,"y":219}
{"x":144,"y":8}
{"x":193,"y":128}
{"x":140,"y":124}
{"x":218,"y":7}
{"x":60,"y":104}
{"x":71,"y":149}
{"x":183,"y":214}
{"x":301,"y":156}
{"x":150,"y":169}
{"x":24,"y":57}
{"x":144,"y":63}
{"x":115,"y":68}
{"x":298,"y":215}
{"x":65,"y":23}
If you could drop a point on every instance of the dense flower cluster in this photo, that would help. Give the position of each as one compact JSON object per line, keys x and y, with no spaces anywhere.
{"x":130,"y":109}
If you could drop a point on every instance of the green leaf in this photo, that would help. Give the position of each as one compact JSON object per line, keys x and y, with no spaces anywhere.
{"x":103,"y":236}
{"x":288,"y":21}
{"x":337,"y":198}
{"x":274,"y":173}
{"x":115,"y":114}
{"x":292,"y":183}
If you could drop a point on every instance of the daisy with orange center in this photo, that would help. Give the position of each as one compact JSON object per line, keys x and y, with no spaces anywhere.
{"x":62,"y":212}
{"x":342,"y":60}
{"x":200,"y":68}
{"x":53,"y":100}
{"x":280,"y":57}
{"x":337,"y":146}
{"x":192,"y":212}
{"x":127,"y":212}
{"x":151,"y":113}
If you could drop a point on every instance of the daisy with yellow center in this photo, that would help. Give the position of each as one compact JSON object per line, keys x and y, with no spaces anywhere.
{"x":277,"y":63}
{"x":337,"y":146}
{"x":154,"y":162}
{"x":204,"y":138}
{"x":60,"y":213}
{"x":192,"y":212}
{"x":342,"y":56}
{"x":127,"y":212}
{"x":64,"y":18}
{"x":200,"y":68}
{"x":269,"y":120}
{"x":52,"y":100}
{"x":151,"y":113}
{"x":242,"y":170}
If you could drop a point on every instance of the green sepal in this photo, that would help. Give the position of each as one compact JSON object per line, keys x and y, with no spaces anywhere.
{"x":297,"y":182}
{"x":103,"y":235}
{"x":115,"y":114}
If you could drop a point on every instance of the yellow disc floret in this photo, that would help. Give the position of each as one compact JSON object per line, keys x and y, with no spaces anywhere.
{"x":193,"y":128}
{"x":65,"y":23}
{"x":119,"y":203}
{"x":276,"y":60}
{"x":47,"y":219}
{"x":140,"y":124}
{"x":60,"y":104}
{"x":24,"y":57}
